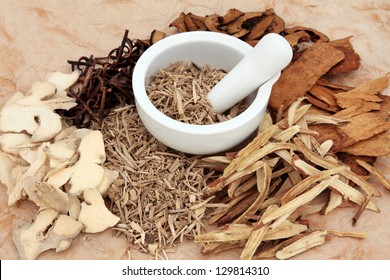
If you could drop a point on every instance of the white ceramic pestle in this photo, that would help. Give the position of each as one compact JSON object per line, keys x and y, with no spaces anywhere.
{"x":271,"y":54}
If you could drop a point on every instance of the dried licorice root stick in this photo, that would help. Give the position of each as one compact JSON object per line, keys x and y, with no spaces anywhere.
{"x":104,"y":82}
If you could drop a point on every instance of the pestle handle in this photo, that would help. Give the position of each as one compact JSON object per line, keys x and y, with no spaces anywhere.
{"x":271,"y":54}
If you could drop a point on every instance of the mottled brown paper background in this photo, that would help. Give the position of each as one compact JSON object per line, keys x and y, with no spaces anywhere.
{"x":37,"y":37}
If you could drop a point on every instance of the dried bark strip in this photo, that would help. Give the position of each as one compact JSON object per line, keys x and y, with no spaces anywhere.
{"x":351,"y":60}
{"x":303,"y":74}
{"x":375,"y":146}
{"x":365,"y":92}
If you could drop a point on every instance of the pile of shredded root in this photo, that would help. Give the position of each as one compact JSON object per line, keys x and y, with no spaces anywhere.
{"x":179,"y":91}
{"x":159,"y":193}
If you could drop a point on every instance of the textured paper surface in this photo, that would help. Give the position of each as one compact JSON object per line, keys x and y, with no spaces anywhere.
{"x":37,"y":37}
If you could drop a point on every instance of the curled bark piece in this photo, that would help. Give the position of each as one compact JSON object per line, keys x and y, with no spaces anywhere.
{"x":259,"y":29}
{"x":236,"y":25}
{"x":179,"y":23}
{"x":315,"y":35}
{"x":303,"y":74}
{"x":351,"y":60}
{"x":156,"y":36}
{"x":277,"y":25}
{"x":230,"y":16}
{"x":213,"y":23}
{"x":296,"y":38}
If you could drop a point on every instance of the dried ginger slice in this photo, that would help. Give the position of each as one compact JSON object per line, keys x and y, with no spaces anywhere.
{"x":303,"y":74}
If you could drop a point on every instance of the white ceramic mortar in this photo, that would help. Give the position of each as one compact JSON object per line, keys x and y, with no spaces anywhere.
{"x":203,"y":48}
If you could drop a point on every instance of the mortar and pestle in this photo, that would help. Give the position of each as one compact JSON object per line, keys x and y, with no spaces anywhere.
{"x":251,"y":74}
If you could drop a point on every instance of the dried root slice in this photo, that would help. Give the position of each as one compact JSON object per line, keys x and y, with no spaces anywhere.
{"x":46,"y":195}
{"x":319,"y":98}
{"x":352,"y":194}
{"x":228,"y":233}
{"x":305,"y":243}
{"x":241,"y":158}
{"x":258,"y":29}
{"x":353,"y":234}
{"x":94,"y":214}
{"x":214,"y":248}
{"x":368,"y":188}
{"x":253,"y":242}
{"x":248,"y":26}
{"x":263,"y":185}
{"x":299,"y":200}
{"x":303,"y":185}
{"x":49,"y":230}
{"x":374,"y":171}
